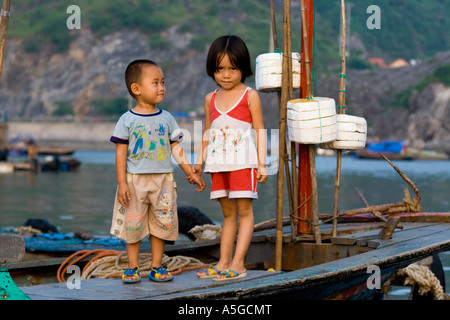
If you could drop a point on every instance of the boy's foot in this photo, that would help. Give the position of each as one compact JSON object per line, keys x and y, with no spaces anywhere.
{"x":131,"y":275}
{"x":160,"y":275}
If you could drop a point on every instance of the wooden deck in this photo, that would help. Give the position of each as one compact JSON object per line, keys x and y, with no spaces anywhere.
{"x":114,"y":289}
{"x":342,"y":266}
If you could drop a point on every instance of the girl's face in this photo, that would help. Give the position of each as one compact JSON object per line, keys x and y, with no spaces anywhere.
{"x":227,"y":76}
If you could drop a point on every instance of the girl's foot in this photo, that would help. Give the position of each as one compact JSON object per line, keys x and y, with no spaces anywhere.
{"x":211,"y":272}
{"x":232,"y":273}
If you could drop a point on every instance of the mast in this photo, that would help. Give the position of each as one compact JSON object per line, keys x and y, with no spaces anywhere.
{"x":4,"y":16}
{"x":304,"y":169}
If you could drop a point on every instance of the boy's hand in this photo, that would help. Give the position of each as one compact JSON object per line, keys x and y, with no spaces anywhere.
{"x":261,"y":174}
{"x":123,"y":194}
{"x":196,"y":179}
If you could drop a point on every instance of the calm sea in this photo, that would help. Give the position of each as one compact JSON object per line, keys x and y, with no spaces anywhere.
{"x":83,"y":200}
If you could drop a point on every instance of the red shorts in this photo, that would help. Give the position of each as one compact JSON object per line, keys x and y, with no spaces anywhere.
{"x":234,"y":184}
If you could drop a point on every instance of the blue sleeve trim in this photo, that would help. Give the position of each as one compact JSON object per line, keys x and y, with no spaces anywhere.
{"x":118,"y":140}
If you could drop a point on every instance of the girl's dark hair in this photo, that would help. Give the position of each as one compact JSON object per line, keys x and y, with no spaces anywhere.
{"x":237,"y":51}
{"x":133,"y":73}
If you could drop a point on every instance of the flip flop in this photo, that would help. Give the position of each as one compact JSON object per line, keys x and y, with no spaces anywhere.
{"x":131,"y":272}
{"x":157,"y":272}
{"x":211,"y":272}
{"x":231,"y":275}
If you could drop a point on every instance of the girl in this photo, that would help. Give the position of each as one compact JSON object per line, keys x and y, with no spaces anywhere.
{"x":229,"y":152}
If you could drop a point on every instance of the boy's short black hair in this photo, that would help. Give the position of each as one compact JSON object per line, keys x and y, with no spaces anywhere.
{"x":237,"y":51}
{"x":133,"y":72}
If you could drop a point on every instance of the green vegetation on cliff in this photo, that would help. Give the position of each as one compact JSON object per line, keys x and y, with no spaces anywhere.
{"x":409,"y":29}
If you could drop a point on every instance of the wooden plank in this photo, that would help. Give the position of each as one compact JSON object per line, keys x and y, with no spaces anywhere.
{"x":362,"y":237}
{"x":114,"y":289}
{"x":12,"y":247}
{"x":411,"y":234}
{"x":391,"y":257}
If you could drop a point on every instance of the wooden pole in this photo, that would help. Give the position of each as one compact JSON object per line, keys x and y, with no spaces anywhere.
{"x":304,"y":171}
{"x":3,"y":29}
{"x":311,"y":149}
{"x":341,"y":111}
{"x":274,"y":25}
{"x":282,"y":138}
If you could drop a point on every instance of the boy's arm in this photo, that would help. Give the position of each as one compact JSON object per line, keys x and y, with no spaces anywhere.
{"x":180,"y":158}
{"x":123,"y":194}
{"x":258,"y":126}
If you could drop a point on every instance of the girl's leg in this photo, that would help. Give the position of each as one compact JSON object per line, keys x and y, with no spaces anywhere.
{"x":133,"y":256}
{"x":229,"y":228}
{"x":246,"y":225}
{"x":157,"y":249}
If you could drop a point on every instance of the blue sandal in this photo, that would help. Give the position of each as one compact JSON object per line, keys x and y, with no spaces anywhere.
{"x":156,"y":273}
{"x":131,"y":272}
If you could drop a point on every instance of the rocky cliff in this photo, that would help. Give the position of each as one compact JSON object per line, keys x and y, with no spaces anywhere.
{"x":32,"y":85}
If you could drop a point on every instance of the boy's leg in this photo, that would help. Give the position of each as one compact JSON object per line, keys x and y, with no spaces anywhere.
{"x":133,"y":256}
{"x":246,"y":225}
{"x":157,"y":249}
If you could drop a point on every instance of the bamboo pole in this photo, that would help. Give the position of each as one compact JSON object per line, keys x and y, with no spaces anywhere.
{"x":311,"y":149}
{"x":274,"y":25}
{"x":341,"y":111}
{"x":282,"y":137}
{"x":3,"y":29}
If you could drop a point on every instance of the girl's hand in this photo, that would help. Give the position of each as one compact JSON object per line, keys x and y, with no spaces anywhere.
{"x":197,"y":169}
{"x":123,"y":194}
{"x":196,"y":179}
{"x":261,"y":174}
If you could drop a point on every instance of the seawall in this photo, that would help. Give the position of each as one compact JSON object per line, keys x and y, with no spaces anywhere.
{"x":78,"y":135}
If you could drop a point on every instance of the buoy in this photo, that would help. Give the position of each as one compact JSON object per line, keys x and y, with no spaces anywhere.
{"x":269,"y":69}
{"x":351,"y":133}
{"x":312,"y":121}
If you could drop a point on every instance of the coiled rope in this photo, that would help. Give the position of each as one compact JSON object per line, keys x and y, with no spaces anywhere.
{"x":425,"y":280}
{"x":421,"y":277}
{"x":111,"y":263}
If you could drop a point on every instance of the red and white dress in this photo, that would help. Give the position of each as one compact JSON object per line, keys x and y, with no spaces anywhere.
{"x":232,"y":159}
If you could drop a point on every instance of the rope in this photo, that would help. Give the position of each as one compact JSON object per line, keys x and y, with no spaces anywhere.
{"x":423,"y":278}
{"x":412,"y":205}
{"x":111,"y":263}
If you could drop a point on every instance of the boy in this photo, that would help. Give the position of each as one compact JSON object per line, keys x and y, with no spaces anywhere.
{"x":146,"y":195}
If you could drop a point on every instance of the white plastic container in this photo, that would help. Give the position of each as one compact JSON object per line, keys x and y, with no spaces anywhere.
{"x":269,"y":69}
{"x":312,"y":121}
{"x":351,"y":134}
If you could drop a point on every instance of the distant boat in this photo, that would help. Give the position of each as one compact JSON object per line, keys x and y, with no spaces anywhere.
{"x":398,"y":150}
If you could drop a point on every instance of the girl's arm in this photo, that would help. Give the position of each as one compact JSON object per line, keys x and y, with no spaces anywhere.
{"x":198,"y":168}
{"x":258,"y":126}
{"x":181,"y":159}
{"x":123,"y":193}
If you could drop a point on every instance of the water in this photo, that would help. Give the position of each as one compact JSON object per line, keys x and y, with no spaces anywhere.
{"x":83,"y":200}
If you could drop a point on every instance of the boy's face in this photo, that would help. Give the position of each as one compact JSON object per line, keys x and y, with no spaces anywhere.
{"x":150,"y":89}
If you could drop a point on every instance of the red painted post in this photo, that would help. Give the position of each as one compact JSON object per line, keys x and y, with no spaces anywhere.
{"x":304,"y":174}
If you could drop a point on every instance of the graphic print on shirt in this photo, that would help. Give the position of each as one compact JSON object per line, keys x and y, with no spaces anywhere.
{"x":226,"y":140}
{"x":150,"y":144}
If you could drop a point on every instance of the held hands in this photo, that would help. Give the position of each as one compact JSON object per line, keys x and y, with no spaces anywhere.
{"x":261,"y":174}
{"x":195,"y":178}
